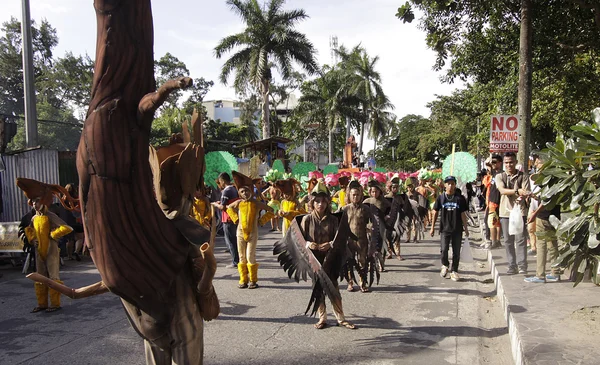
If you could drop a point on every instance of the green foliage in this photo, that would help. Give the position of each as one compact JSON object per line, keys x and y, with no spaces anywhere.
{"x":62,"y":87}
{"x":478,"y":41}
{"x":216,"y":163}
{"x":570,"y":178}
{"x":330,"y":169}
{"x":270,"y":38}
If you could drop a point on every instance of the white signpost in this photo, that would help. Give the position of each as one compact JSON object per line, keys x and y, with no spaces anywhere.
{"x":504,"y":133}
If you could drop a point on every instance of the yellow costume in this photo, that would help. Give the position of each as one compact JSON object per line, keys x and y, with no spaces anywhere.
{"x":201,"y":212}
{"x":245,"y":213}
{"x":291,"y":209}
{"x":45,"y":230}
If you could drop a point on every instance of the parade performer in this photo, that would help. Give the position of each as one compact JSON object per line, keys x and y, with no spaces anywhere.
{"x":201,"y":209}
{"x":380,"y":208}
{"x":135,"y":201}
{"x":418,"y":213}
{"x":272,"y":196}
{"x":246,"y":214}
{"x":341,"y":194}
{"x":290,"y":207}
{"x":399,"y":213}
{"x":315,"y":246}
{"x":43,"y":231}
{"x":361,"y":221}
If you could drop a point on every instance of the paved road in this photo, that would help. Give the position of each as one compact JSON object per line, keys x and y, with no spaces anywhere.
{"x":412,"y":317}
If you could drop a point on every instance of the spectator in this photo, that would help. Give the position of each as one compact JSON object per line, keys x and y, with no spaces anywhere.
{"x":547,"y":243}
{"x":513,"y":187}
{"x":229,"y":195}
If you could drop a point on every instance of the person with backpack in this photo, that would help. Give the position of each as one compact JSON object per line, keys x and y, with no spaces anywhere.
{"x":513,"y":186}
{"x":452,"y":208}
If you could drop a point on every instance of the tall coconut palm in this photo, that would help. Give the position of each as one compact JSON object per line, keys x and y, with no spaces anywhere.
{"x":269,"y":37}
{"x":360,"y":68}
{"x":381,"y":119}
{"x":326,"y":101}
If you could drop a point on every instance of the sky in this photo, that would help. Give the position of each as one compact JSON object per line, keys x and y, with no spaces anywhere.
{"x":191,"y":29}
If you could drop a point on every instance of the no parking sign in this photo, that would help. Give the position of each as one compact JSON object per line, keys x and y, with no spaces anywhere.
{"x":504,"y":133}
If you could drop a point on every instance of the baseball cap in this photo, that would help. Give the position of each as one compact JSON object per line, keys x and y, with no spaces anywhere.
{"x":449,"y":178}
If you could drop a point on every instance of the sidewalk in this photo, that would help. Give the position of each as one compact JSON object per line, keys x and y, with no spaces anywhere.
{"x":550,"y":323}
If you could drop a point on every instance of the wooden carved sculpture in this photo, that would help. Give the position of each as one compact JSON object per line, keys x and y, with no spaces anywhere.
{"x":135,"y":202}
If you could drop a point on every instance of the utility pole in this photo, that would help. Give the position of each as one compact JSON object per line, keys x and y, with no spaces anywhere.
{"x":478,"y":155}
{"x":31,"y":130}
{"x":525,"y":73}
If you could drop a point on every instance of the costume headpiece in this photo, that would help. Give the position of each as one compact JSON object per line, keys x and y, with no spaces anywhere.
{"x":354,"y":184}
{"x":343,"y":181}
{"x":240,"y":180}
{"x":34,"y":189}
{"x":395,"y":180}
{"x":320,"y":189}
{"x":374,"y":184}
{"x":287,"y":186}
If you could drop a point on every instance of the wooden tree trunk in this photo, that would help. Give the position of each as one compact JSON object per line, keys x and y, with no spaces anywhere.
{"x":136,"y":249}
{"x":525,"y":75}
{"x":266,"y":114}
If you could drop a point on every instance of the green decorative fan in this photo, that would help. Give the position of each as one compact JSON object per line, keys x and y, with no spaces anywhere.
{"x":302,"y":169}
{"x":465,"y":167}
{"x":330,"y":169}
{"x":273,"y":175}
{"x":216,"y":163}
{"x":380,"y":169}
{"x":278,"y":166}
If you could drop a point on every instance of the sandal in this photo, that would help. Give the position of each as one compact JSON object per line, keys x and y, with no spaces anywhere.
{"x":53,"y":309}
{"x":243,"y":286}
{"x":253,"y":285}
{"x":38,"y":309}
{"x":365,"y":290}
{"x":400,"y":258}
{"x":347,"y":325}
{"x":350,"y":288}
{"x":320,"y":325}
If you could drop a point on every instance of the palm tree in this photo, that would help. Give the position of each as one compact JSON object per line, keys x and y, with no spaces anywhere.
{"x":269,"y":37}
{"x":326,"y":101}
{"x":360,"y":68}
{"x":381,"y":118}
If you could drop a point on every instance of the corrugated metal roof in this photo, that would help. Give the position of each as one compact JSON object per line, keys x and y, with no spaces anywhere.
{"x":41,"y":165}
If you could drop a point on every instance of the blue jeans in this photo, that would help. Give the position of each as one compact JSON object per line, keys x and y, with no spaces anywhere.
{"x":230,"y":233}
{"x":516,"y":247}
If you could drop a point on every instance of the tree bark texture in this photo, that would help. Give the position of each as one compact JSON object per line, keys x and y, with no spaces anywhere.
{"x":266,"y":113}
{"x":137,"y":250}
{"x":525,"y":75}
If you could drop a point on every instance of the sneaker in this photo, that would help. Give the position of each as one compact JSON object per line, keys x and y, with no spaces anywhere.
{"x":523,"y":271}
{"x":444,"y":271}
{"x":497,"y":244}
{"x":231,"y":266}
{"x":553,"y":278}
{"x":454,"y":276}
{"x":511,"y":271}
{"x":532,"y":252}
{"x":534,"y":279}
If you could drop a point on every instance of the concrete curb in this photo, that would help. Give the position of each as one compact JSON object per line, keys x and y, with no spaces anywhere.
{"x":513,"y":333}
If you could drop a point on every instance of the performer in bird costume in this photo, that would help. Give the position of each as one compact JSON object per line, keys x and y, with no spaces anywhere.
{"x":380,"y":207}
{"x":44,"y":231}
{"x":246,"y":213}
{"x":290,"y":207}
{"x":315,"y":246}
{"x":398,"y":216}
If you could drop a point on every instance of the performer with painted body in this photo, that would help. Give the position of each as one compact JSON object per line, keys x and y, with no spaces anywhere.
{"x":246,"y":214}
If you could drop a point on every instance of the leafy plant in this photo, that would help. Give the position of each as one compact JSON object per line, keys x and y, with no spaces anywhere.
{"x":570,"y":178}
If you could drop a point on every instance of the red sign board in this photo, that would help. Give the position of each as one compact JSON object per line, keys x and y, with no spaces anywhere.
{"x":504,"y":133}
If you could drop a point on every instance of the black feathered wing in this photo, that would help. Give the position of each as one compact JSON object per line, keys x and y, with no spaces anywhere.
{"x":300,"y":263}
